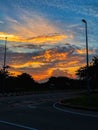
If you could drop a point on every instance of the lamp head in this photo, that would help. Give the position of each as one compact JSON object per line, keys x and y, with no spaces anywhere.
{"x":84,"y":21}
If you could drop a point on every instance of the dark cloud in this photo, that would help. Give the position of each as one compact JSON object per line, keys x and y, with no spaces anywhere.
{"x":27,"y":46}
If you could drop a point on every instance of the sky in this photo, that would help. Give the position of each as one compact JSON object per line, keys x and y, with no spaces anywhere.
{"x":47,"y":37}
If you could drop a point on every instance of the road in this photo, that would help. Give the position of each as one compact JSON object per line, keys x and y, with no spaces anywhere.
{"x":39,"y":112}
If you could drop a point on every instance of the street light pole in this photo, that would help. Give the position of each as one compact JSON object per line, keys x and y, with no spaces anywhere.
{"x":4,"y":66}
{"x":87,"y":59}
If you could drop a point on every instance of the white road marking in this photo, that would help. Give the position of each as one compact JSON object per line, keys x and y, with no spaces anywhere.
{"x":17,"y":125}
{"x":73,"y":112}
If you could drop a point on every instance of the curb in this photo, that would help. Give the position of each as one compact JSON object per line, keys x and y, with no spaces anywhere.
{"x":77,"y":107}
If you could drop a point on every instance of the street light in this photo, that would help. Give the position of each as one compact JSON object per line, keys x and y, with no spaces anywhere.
{"x":4,"y":66}
{"x":87,"y":60}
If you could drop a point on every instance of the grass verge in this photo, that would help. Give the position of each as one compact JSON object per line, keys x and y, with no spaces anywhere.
{"x":82,"y":101}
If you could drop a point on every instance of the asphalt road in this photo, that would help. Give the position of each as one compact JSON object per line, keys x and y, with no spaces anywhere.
{"x":37,"y":112}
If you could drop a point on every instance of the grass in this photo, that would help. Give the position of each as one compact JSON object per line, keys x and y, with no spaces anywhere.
{"x":82,"y":101}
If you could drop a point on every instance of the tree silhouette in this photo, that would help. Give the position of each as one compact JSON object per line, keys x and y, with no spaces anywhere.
{"x":8,"y":83}
{"x":25,"y":82}
{"x":92,"y":72}
{"x":3,"y":76}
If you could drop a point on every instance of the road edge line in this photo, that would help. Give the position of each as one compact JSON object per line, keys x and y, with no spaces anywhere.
{"x":73,"y":112}
{"x":17,"y":125}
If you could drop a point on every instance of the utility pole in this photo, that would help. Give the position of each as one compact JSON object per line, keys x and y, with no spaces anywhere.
{"x":5,"y":48}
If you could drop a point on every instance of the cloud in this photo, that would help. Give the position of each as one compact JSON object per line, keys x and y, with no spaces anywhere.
{"x":61,"y":59}
{"x":83,"y":51}
{"x":33,"y":27}
{"x":11,"y":20}
{"x":58,"y":61}
{"x":50,"y":38}
{"x":28,"y":65}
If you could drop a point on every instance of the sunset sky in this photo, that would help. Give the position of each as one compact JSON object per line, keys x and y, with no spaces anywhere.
{"x":47,"y":37}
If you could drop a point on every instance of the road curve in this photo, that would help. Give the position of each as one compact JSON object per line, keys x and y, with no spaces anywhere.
{"x":37,"y":112}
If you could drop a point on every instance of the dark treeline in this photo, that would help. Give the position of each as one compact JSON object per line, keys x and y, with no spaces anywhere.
{"x":24,"y":82}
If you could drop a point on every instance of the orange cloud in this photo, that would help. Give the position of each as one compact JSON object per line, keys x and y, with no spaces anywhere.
{"x":28,"y":64}
{"x":50,"y":56}
{"x":45,"y":74}
{"x":15,"y":72}
{"x":10,"y":37}
{"x":83,"y":51}
{"x":53,"y":38}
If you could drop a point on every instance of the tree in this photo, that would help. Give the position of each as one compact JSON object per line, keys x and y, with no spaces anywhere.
{"x":3,"y":77}
{"x":25,"y":81}
{"x":92,"y":72}
{"x":81,"y":73}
